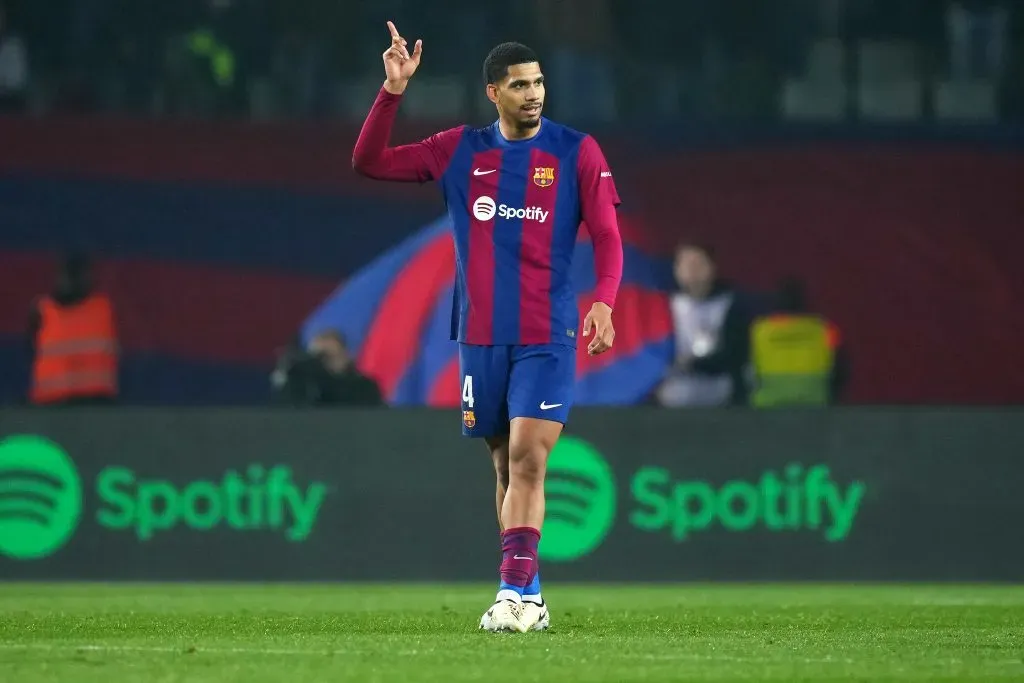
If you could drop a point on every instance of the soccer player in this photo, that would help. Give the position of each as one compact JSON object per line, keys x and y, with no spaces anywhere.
{"x":517,"y":192}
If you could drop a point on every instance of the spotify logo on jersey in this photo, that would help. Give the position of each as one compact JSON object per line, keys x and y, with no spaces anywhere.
{"x":484,"y":208}
{"x":580,"y":492}
{"x":40,"y":497}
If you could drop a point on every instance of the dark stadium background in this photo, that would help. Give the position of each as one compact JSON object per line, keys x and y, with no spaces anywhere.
{"x":219,"y":225}
{"x":199,"y":151}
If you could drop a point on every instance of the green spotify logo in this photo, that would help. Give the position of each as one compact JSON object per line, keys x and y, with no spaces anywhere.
{"x":40,"y":497}
{"x":41,"y":501}
{"x":581,"y":503}
{"x":580,"y":493}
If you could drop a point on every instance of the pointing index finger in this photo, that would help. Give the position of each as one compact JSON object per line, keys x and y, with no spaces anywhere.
{"x":394,"y":31}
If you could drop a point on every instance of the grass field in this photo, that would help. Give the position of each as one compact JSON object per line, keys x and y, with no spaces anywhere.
{"x":304,"y":633}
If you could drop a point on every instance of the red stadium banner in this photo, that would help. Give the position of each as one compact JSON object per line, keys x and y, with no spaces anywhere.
{"x":911,"y":248}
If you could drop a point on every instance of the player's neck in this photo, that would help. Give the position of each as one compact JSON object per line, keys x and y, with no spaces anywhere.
{"x":512,"y":132}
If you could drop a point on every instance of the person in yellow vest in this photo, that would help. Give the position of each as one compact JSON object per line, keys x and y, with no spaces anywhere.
{"x":797,"y":358}
{"x":74,"y":341}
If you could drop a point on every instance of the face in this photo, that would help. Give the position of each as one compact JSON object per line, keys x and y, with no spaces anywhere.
{"x":520,"y":95}
{"x":693,"y":269}
{"x":331,"y":351}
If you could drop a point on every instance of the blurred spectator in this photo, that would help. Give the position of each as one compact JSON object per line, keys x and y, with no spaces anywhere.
{"x":977,"y":38}
{"x":323,"y":374}
{"x":14,"y":71}
{"x":74,"y":341}
{"x":202,"y":78}
{"x":797,"y":357}
{"x":711,"y":335}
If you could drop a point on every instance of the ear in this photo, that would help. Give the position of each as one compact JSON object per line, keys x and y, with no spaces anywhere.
{"x":492,"y":93}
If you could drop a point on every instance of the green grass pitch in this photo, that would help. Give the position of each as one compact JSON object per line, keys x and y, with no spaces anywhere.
{"x":421,"y":633}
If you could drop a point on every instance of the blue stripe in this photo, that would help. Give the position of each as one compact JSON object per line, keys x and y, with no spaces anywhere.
{"x":204,"y":223}
{"x":508,"y":239}
{"x":564,"y":311}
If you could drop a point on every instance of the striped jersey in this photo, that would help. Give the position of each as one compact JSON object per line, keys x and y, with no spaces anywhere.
{"x":516,"y":207}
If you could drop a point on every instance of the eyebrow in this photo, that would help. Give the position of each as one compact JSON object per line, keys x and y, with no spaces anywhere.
{"x":524,"y":81}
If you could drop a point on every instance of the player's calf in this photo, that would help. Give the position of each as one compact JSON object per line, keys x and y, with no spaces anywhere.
{"x":524,"y":498}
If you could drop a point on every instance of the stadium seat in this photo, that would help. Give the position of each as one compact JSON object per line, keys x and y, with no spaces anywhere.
{"x":440,"y":97}
{"x":974,"y":101}
{"x":263,"y":99}
{"x":808,"y":100}
{"x":825,"y":62}
{"x":351,"y":99}
{"x":890,"y":87}
{"x":821,"y":93}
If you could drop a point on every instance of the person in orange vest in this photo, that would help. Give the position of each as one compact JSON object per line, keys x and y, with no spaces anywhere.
{"x":74,"y":341}
{"x":797,"y":358}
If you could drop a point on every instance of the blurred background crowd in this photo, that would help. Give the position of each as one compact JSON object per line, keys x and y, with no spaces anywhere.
{"x":613,"y":60}
{"x":822,"y":198}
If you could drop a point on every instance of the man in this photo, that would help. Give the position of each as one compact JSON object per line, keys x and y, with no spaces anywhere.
{"x":516,"y":193}
{"x":324,"y":375}
{"x":711,"y":336}
{"x":797,"y":356}
{"x":73,"y":339}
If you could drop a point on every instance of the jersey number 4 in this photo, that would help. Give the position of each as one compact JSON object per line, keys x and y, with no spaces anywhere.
{"x":467,"y":391}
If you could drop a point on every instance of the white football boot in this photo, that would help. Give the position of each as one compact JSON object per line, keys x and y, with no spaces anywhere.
{"x":538,"y":614}
{"x":509,"y":615}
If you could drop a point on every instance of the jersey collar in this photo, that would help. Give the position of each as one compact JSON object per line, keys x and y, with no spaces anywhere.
{"x":504,"y":142}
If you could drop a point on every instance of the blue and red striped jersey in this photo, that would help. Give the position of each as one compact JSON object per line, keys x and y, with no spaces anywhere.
{"x":516,"y":208}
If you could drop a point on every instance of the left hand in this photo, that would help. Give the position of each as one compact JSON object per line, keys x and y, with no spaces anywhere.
{"x":600,"y":321}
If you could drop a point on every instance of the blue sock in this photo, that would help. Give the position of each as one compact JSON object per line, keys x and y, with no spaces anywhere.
{"x":502,"y":587}
{"x":532,"y":589}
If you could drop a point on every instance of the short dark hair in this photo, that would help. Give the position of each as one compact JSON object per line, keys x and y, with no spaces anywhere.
{"x":791,"y":295}
{"x":74,"y":263}
{"x":332,"y":334}
{"x":698,"y":246}
{"x":502,"y":57}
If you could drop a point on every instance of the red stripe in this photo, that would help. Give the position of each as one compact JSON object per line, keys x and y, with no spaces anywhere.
{"x":446,"y":392}
{"x":535,"y":252}
{"x":394,"y":338}
{"x":641,"y":317}
{"x":480,"y":261}
{"x":183,"y":310}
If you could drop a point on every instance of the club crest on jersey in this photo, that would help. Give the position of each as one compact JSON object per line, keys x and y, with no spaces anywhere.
{"x":544,"y":176}
{"x":468,"y":418}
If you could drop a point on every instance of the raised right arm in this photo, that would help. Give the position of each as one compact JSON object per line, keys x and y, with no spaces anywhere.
{"x":416,"y":162}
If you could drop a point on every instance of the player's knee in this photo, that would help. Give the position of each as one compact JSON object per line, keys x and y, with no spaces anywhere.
{"x":527,"y":465}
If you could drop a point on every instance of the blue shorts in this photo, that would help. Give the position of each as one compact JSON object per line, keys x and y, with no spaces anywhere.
{"x":504,"y":382}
